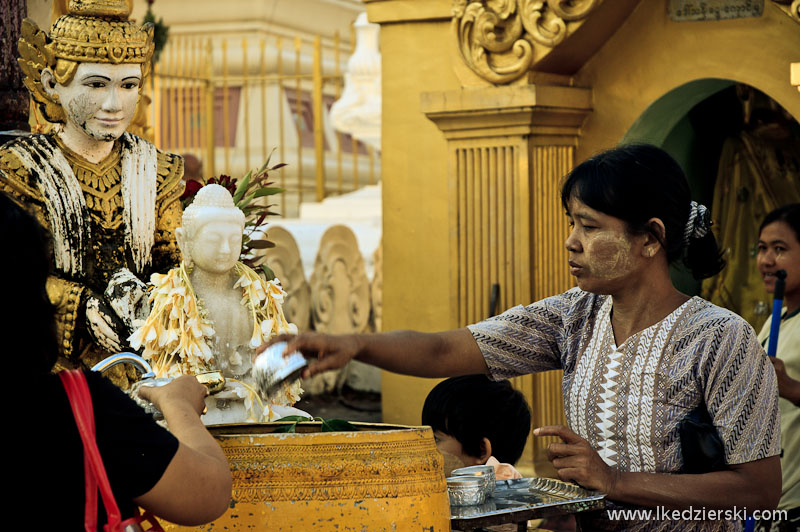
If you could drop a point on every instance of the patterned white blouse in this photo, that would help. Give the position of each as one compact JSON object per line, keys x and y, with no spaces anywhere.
{"x":628,"y":400}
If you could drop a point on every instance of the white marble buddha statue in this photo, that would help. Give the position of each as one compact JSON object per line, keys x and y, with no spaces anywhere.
{"x":211,"y":240}
{"x":213,"y":311}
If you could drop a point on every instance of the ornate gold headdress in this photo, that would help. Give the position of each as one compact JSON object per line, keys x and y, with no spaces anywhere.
{"x":93,"y":31}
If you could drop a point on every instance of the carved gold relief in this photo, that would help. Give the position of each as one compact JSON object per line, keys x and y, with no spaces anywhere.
{"x":378,"y":478}
{"x":329,"y":466}
{"x":497,"y":38}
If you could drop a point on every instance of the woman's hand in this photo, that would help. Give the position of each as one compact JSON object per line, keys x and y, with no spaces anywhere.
{"x":331,"y":351}
{"x":185,"y":390}
{"x":576,"y":460}
{"x":788,"y":388}
{"x":196,"y":486}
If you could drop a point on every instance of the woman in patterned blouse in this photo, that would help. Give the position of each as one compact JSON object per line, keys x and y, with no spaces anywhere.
{"x":639,"y":357}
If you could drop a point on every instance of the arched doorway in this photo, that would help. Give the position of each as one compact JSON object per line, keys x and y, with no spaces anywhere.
{"x":741,"y":153}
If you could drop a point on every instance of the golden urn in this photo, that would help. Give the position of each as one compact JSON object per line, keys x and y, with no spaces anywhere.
{"x":378,"y":478}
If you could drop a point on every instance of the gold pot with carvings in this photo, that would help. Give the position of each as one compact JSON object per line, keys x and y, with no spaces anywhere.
{"x":379,"y":478}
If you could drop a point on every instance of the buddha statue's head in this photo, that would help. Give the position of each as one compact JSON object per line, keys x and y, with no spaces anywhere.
{"x":211,"y":234}
{"x":88,"y":72}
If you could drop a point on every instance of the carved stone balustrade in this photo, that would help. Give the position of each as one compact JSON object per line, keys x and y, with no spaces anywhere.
{"x":340,"y":300}
{"x":343,"y":269}
{"x":285,"y":262}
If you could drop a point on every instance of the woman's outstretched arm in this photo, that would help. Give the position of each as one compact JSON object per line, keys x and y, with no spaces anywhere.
{"x":442,"y":354}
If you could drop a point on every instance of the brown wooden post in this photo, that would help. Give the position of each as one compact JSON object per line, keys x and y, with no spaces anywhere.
{"x":14,"y":99}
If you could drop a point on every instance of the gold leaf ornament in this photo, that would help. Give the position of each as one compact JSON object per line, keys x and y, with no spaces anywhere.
{"x":35,"y":54}
{"x":544,"y":26}
{"x":496,"y":38}
{"x":572,"y":9}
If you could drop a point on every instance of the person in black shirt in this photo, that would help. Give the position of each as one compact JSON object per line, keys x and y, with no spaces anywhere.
{"x":181,"y":476}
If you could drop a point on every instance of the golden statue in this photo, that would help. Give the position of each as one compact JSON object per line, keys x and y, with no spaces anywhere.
{"x":108,"y":198}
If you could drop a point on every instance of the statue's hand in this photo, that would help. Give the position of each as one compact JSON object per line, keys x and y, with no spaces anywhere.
{"x":127,"y":297}
{"x":102,"y":324}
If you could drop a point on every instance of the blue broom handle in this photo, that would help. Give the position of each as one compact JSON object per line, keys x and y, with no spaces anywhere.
{"x":775,"y":327}
{"x":777,"y":306}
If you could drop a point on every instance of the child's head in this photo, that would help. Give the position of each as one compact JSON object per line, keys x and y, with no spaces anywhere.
{"x":474,"y":418}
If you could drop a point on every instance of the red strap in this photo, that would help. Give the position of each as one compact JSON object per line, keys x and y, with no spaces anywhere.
{"x":81,"y":402}
{"x":90,"y":484}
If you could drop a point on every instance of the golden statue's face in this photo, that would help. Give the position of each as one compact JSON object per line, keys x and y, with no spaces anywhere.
{"x":100,"y":101}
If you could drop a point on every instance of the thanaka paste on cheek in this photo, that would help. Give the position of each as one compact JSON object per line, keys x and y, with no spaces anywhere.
{"x":610,"y":256}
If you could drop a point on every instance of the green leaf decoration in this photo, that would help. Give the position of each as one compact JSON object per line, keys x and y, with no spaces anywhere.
{"x":285,"y":428}
{"x":267,"y":191}
{"x":295,"y":418}
{"x":337,"y":425}
{"x":270,"y":275}
{"x":242,"y":188}
{"x":266,"y":163}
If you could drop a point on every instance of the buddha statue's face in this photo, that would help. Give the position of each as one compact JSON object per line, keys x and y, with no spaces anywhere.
{"x":215,"y":246}
{"x":101,"y":99}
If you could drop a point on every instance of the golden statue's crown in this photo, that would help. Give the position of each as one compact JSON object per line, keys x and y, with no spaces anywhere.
{"x":98,"y":31}
{"x":92,"y":31}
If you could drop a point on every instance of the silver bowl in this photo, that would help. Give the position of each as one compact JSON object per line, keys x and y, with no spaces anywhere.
{"x":271,"y":369}
{"x":466,"y":491}
{"x":484,"y":472}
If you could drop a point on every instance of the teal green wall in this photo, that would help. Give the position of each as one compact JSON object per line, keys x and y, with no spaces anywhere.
{"x":690,"y":123}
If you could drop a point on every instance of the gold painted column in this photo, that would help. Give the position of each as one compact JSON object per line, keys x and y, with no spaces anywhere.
{"x":509,"y":148}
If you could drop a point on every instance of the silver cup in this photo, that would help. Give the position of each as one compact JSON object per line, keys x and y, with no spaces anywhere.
{"x":466,"y":491}
{"x":271,"y":369}
{"x":484,"y":472}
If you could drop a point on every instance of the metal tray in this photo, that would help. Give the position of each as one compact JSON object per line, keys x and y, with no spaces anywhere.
{"x":522,"y":499}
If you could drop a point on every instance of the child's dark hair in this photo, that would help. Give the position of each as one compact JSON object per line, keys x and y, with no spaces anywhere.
{"x":637,"y":182}
{"x":27,"y":316}
{"x":788,"y":214}
{"x":473,"y":407}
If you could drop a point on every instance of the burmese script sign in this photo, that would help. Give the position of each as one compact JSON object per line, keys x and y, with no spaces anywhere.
{"x":688,"y":10}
